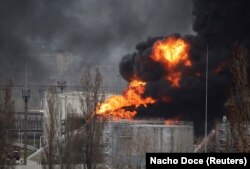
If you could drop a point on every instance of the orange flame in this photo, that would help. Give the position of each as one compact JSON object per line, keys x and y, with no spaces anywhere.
{"x":198,"y":74}
{"x":172,"y":121}
{"x":219,"y":67}
{"x":171,"y":52}
{"x":114,"y":107}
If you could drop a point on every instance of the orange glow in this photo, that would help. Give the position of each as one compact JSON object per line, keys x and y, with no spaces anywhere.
{"x":114,"y":107}
{"x":172,"y":121}
{"x":219,"y":68}
{"x":175,"y":78}
{"x":172,"y":52}
{"x":198,"y":74}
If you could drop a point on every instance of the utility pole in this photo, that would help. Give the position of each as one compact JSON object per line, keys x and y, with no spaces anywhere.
{"x":206,"y":102}
{"x":61,"y":85}
{"x":26,"y":97}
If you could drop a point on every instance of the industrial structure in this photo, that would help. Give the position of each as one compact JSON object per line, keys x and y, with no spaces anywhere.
{"x":69,"y":102}
{"x":34,"y":120}
{"x":126,"y":142}
{"x":34,"y":128}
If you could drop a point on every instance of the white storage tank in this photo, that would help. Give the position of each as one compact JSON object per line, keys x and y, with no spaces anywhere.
{"x":130,"y":140}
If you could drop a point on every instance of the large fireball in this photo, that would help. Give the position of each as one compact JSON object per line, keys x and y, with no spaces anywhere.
{"x":171,"y":53}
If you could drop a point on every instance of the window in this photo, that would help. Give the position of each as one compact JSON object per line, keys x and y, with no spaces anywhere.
{"x":17,"y":124}
{"x":21,"y":116}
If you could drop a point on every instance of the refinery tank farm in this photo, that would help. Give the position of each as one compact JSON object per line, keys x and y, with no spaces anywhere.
{"x":89,"y":84}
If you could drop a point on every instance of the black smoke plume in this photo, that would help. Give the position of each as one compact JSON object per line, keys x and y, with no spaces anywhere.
{"x":218,"y":24}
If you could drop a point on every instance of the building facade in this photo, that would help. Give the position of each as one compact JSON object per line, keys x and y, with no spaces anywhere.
{"x":34,"y":120}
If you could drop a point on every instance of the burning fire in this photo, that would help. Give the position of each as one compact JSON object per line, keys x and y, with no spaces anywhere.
{"x":219,"y":67}
{"x":115,"y":106}
{"x":171,"y":52}
{"x":172,"y":121}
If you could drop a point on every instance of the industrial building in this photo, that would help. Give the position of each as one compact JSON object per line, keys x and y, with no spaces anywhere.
{"x":34,"y":127}
{"x":125,"y":142}
{"x":34,"y":120}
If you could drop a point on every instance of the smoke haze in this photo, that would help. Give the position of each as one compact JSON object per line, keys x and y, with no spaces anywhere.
{"x":45,"y":33}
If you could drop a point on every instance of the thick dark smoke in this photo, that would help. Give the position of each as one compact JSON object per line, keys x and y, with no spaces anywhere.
{"x":218,"y":24}
{"x":58,"y":38}
{"x":85,"y":31}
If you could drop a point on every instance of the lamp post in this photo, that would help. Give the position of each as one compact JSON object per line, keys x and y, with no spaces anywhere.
{"x":26,"y":97}
{"x":206,"y":101}
{"x":61,"y":85}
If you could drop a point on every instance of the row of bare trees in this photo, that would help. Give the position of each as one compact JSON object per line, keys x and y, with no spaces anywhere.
{"x":81,"y":141}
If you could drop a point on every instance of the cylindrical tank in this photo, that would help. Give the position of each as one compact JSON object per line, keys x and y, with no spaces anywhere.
{"x":130,"y":141}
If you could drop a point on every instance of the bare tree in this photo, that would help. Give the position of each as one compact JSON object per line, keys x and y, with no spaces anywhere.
{"x":238,"y":94}
{"x":72,"y":156}
{"x":91,"y":92}
{"x":50,"y":153}
{"x":6,"y":123}
{"x":93,"y":128}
